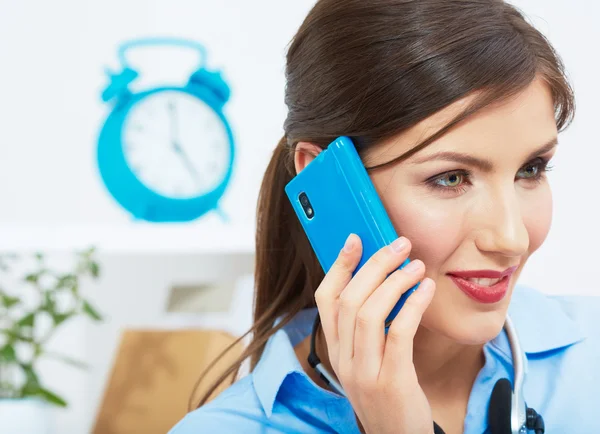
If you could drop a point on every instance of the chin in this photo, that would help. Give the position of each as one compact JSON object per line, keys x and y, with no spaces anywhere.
{"x":463,"y":323}
{"x":476,"y":327}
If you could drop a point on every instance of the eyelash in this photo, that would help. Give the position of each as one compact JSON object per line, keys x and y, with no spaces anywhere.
{"x":540,"y":163}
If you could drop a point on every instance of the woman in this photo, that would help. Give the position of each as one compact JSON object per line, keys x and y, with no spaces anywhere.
{"x":455,"y":107}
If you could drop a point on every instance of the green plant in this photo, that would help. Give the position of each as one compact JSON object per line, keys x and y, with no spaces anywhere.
{"x":30,"y":314}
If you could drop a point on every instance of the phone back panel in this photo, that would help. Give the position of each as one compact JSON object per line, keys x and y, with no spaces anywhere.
{"x":344,"y":201}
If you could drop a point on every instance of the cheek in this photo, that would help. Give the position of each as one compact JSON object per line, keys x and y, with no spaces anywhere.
{"x":537,"y":217}
{"x":433,"y":230}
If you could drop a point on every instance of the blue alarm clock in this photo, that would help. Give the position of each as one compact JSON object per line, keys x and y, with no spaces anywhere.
{"x":166,"y":154}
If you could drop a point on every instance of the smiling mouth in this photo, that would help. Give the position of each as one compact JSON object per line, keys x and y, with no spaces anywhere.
{"x":482,"y":281}
{"x":484,"y":286}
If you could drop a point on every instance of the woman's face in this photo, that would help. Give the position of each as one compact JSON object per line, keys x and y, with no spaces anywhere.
{"x":476,"y":199}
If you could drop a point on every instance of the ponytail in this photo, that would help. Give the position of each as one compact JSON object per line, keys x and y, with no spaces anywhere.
{"x":286,"y":272}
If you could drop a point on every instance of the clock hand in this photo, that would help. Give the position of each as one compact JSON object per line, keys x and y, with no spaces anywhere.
{"x":173,"y":122}
{"x":175,"y":145}
{"x":186,"y":161}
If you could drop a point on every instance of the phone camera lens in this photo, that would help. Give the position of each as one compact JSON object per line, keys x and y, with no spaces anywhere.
{"x":306,"y":206}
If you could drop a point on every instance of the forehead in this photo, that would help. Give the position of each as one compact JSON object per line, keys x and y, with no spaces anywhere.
{"x":517,"y":125}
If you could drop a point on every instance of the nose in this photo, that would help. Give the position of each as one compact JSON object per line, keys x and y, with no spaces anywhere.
{"x":503,"y":230}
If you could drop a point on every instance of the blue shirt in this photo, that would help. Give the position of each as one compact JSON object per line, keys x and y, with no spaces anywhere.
{"x":559,"y":335}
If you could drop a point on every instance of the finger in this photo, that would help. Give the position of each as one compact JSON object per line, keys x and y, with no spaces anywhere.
{"x":365,"y":281}
{"x":336,"y":279}
{"x":398,"y":351}
{"x":369,"y":338}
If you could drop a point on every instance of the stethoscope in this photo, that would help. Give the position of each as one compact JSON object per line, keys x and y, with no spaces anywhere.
{"x":507,"y":413}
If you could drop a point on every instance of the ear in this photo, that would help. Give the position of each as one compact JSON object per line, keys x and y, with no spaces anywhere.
{"x":305,"y":153}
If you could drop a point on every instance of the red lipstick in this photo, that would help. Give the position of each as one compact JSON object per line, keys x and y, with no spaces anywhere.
{"x":483,"y":293}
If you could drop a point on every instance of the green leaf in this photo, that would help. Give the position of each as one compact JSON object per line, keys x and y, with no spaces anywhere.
{"x":59,"y":318}
{"x":89,"y":252}
{"x":33,"y":277}
{"x":49,"y":304}
{"x":91,"y":312}
{"x":32,"y":380}
{"x":39,"y":256}
{"x":8,"y":354}
{"x":14,"y":335}
{"x":8,"y":301}
{"x":27,"y":320}
{"x":94,"y":269}
{"x":50,"y":397}
{"x":66,"y":281}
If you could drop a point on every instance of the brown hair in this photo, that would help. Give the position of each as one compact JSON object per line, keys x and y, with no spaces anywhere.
{"x":371,"y":70}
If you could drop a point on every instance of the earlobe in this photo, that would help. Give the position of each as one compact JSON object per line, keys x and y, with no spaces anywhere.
{"x":304,"y":153}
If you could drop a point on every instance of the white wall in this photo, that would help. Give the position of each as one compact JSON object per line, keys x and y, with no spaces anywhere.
{"x":53,"y":56}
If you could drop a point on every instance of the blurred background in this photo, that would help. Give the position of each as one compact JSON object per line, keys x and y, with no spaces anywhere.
{"x":86,"y":83}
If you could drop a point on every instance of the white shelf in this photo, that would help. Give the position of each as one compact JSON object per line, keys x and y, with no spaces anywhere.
{"x":128,"y":238}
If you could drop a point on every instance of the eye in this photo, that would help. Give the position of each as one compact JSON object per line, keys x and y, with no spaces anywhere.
{"x":529,"y":171}
{"x":534,"y":170}
{"x":451,"y":180}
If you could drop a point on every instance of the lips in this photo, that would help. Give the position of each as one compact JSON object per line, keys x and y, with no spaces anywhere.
{"x":484,"y":286}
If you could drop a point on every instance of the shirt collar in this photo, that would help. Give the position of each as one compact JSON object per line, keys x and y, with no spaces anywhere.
{"x":540,"y":321}
{"x":279,"y":359}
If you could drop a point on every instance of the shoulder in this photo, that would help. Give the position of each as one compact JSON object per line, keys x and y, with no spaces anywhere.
{"x":235,"y":410}
{"x":229,"y":412}
{"x":583,"y":310}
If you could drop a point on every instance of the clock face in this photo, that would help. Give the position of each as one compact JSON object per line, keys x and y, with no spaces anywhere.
{"x":176,"y":145}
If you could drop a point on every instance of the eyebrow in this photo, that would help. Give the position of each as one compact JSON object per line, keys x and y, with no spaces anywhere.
{"x":483,"y":165}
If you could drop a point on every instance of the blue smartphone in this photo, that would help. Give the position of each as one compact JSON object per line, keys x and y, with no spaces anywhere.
{"x":333,"y":197}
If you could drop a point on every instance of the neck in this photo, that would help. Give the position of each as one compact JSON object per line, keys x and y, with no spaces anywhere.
{"x":445,"y":368}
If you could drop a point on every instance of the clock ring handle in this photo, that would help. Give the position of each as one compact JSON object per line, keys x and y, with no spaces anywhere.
{"x":153,"y":42}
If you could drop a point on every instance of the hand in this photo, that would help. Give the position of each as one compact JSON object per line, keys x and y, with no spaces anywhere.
{"x":375,"y":370}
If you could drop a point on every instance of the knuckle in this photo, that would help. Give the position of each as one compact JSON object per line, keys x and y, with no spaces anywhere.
{"x":345,"y":262}
{"x":397,"y":277}
{"x":348,"y":302}
{"x":380,"y":259}
{"x":399,"y":334}
{"x":401,"y":280}
{"x":416,"y":302}
{"x":341,"y":264}
{"x":363,"y":319}
{"x":319,"y":296}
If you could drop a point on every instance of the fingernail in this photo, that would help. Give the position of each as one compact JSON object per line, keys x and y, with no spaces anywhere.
{"x":349,"y":245}
{"x":426,"y":286}
{"x":398,"y":244}
{"x":413,"y":267}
